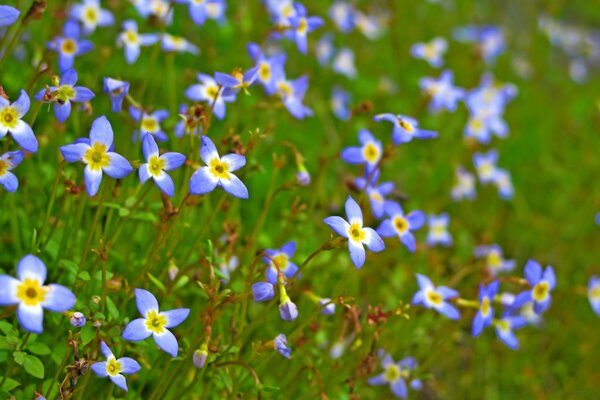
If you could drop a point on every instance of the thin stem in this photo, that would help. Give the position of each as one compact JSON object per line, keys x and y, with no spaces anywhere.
{"x":90,"y":236}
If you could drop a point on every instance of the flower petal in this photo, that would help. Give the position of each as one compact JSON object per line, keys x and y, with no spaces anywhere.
{"x":23,"y":135}
{"x":372,"y":240}
{"x":74,"y":152}
{"x":202,"y":181}
{"x":31,"y":267}
{"x":102,"y":131}
{"x":58,"y":298}
{"x":416,"y":219}
{"x":129,"y":365}
{"x":8,"y":290}
{"x":145,"y":301}
{"x":22,"y":104}
{"x":136,"y":330}
{"x":120,"y":381}
{"x":106,"y":350}
{"x":357,"y":253}
{"x":398,"y":387}
{"x":118,"y":166}
{"x":93,"y":179}
{"x":99,"y":369}
{"x":208,"y":151}
{"x":235,"y":187}
{"x":82,"y":94}
{"x":167,"y":342}
{"x":165,"y":183}
{"x":235,"y":161}
{"x":338,"y":224}
{"x":172,"y":160}
{"x":9,"y":181}
{"x":176,"y":316}
{"x":353,"y":211}
{"x":31,"y":317}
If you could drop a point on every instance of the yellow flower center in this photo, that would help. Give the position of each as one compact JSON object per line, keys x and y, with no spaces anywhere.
{"x":371,"y":153}
{"x":486,"y":169}
{"x":594,"y":292}
{"x":96,"y":156}
{"x":485,"y":306}
{"x":407,"y":126}
{"x":287,"y":10}
{"x":113,"y":367}
{"x":476,"y":124}
{"x":90,"y":15}
{"x":155,"y":322}
{"x":68,"y":46}
{"x":264,"y":71}
{"x":156,"y":165}
{"x":356,"y":232}
{"x":131,"y":37}
{"x":149,"y":124}
{"x":438,"y":229}
{"x":540,"y":291}
{"x":280,"y":260}
{"x":9,"y":117}
{"x":212,"y":91}
{"x":30,"y":292}
{"x":302,"y":25}
{"x":285,"y":89}
{"x":375,"y":196}
{"x":65,"y":93}
{"x":494,"y":260}
{"x":401,"y":224}
{"x":219,"y":169}
{"x":3,"y":167}
{"x":392,"y":373}
{"x":503,"y":325}
{"x":430,"y":51}
{"x":434,"y":297}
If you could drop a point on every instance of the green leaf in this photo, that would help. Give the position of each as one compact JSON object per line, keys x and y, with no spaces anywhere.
{"x":84,"y":276}
{"x":19,"y":357}
{"x":268,"y":388}
{"x":5,"y":327}
{"x":33,"y":366}
{"x":9,"y":384}
{"x":158,"y":283}
{"x":144,"y":216}
{"x":70,"y":266}
{"x":113,"y":311}
{"x":124,"y":212}
{"x":38,"y":348}
{"x":98,"y":275}
{"x":181,"y":282}
{"x":87,"y":334}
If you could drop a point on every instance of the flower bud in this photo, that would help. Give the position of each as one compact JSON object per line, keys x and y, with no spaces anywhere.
{"x":77,"y":319}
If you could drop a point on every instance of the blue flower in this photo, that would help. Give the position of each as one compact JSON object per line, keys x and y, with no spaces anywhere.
{"x":394,"y":375}
{"x":288,"y":311}
{"x":369,"y":152}
{"x":208,"y":90}
{"x":444,"y":95}
{"x":593,"y":292}
{"x":200,"y":11}
{"x":178,"y":44}
{"x":504,"y":329}
{"x":263,"y":291}
{"x":356,"y":234}
{"x":98,"y":156}
{"x":149,"y":123}
{"x":9,"y":161}
{"x":327,"y":306}
{"x":282,"y":258}
{"x":132,"y":40}
{"x":218,"y":172}
{"x":430,"y":296}
{"x":238,"y":81}
{"x":91,"y":15}
{"x":11,"y":121}
{"x":77,"y":319}
{"x":432,"y":52}
{"x":340,"y":103}
{"x":324,"y":49}
{"x":504,"y":184}
{"x":343,"y":15}
{"x":494,"y":259}
{"x":157,"y":164}
{"x":405,"y":128}
{"x":65,"y":93}
{"x":401,"y":225}
{"x":281,"y":345}
{"x":343,"y":63}
{"x":114,"y":367}
{"x":117,"y":90}
{"x":31,"y":296}
{"x":69,"y":46}
{"x":300,"y":26}
{"x":485,"y":315}
{"x":292,"y":93}
{"x":268,"y":67}
{"x":489,"y":39}
{"x":485,"y":164}
{"x":155,"y":322}
{"x":8,"y":15}
{"x":480,"y":126}
{"x":375,"y":192}
{"x":542,"y":283}
{"x":438,"y":230}
{"x":464,"y":187}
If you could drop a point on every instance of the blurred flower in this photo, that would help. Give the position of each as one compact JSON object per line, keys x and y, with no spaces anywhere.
{"x":177,"y":44}
{"x":98,"y":156}
{"x":9,"y":161}
{"x":149,"y":123}
{"x":324,"y":49}
{"x":430,"y":296}
{"x":494,"y":260}
{"x":343,"y":62}
{"x":342,"y":15}
{"x":281,"y":257}
{"x":91,"y":15}
{"x":465,"y":185}
{"x":157,"y":164}
{"x":132,"y":40}
{"x":11,"y":121}
{"x":356,"y":234}
{"x":31,"y":296}
{"x":375,"y":192}
{"x":594,"y":293}
{"x":155,"y":322}
{"x":218,"y":172}
{"x":300,"y":26}
{"x":262,"y":291}
{"x":269,"y":68}
{"x":443,"y":93}
{"x":394,"y":375}
{"x":369,"y":152}
{"x":542,"y":284}
{"x":504,"y":184}
{"x":200,"y":11}
{"x":281,"y":345}
{"x":77,"y":319}
{"x":405,"y":128}
{"x":114,"y":367}
{"x":485,"y":164}
{"x":208,"y":90}
{"x":65,"y":93}
{"x":292,"y":93}
{"x":238,"y":81}
{"x":504,"y":329}
{"x":401,"y":225}
{"x":489,"y":39}
{"x":485,"y":315}
{"x":340,"y":103}
{"x":8,"y":15}
{"x":438,"y":230}
{"x":117,"y":90}
{"x":432,"y":52}
{"x":69,"y":46}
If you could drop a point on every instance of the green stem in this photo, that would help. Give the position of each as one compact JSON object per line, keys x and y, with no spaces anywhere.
{"x":90,"y":236}
{"x":50,"y":202}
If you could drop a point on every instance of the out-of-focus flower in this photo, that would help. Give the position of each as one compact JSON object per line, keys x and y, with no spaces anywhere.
{"x":432,"y":52}
{"x":117,"y":90}
{"x":114,"y":367}
{"x":464,"y":188}
{"x":485,"y":315}
{"x":91,"y":15}
{"x":11,"y":121}
{"x":340,"y":103}
{"x":279,"y":260}
{"x":444,"y":95}
{"x":430,"y":296}
{"x":132,"y":40}
{"x":208,"y":90}
{"x":376,"y":192}
{"x":65,"y":93}
{"x":395,"y":375}
{"x":343,"y":62}
{"x":405,"y":128}
{"x":494,"y":259}
{"x":401,"y":225}
{"x":177,"y":44}
{"x":542,"y":284}
{"x":369,"y":152}
{"x":438,"y":230}
{"x":69,"y":45}
{"x":504,"y":329}
{"x":281,"y":345}
{"x":9,"y":161}
{"x":593,"y":292}
{"x":149,"y":123}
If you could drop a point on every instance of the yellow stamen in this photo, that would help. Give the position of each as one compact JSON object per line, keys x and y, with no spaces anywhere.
{"x":68,"y":46}
{"x":371,"y":153}
{"x":96,"y":157}
{"x":401,"y":224}
{"x":113,"y":367}
{"x":540,"y":291}
{"x":356,"y":232}
{"x":156,"y":165}
{"x":149,"y":124}
{"x":30,"y":292}
{"x":155,"y":322}
{"x":9,"y":117}
{"x":434,"y":297}
{"x":219,"y":169}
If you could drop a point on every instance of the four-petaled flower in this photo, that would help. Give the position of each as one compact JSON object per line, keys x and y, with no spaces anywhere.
{"x":505,"y":326}
{"x":356,"y":234}
{"x":31,"y":296}
{"x":91,"y":15}
{"x":430,"y":296}
{"x":405,"y":128}
{"x":209,"y":90}
{"x":8,"y":162}
{"x":65,"y":93}
{"x":132,"y":40}
{"x":69,"y":45}
{"x":98,"y":156}
{"x":369,"y":152}
{"x":155,"y":322}
{"x":11,"y":122}
{"x":117,"y":90}
{"x":432,"y":52}
{"x":485,"y":315}
{"x":218,"y":171}
{"x":542,"y":283}
{"x":438,"y":230}
{"x":114,"y":367}
{"x":279,"y":259}
{"x":157,"y":164}
{"x":149,"y":123}
{"x":401,"y":225}
{"x":395,"y":375}
{"x":300,"y":26}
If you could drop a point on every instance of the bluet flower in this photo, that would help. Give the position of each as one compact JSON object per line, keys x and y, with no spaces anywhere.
{"x":485,"y":315}
{"x":31,"y":296}
{"x":357,"y":235}
{"x":238,"y":81}
{"x":395,"y":375}
{"x":504,"y":184}
{"x":369,"y":152}
{"x":542,"y":283}
{"x":340,"y":103}
{"x":132,"y":40}
{"x":8,"y":15}
{"x":69,"y":46}
{"x":593,"y":292}
{"x":157,"y":164}
{"x":91,"y":15}
{"x":405,"y":128}
{"x":464,"y":188}
{"x":269,"y":67}
{"x":208,"y":90}
{"x":343,"y":63}
{"x":281,"y":345}
{"x":292,"y":93}
{"x":218,"y":172}
{"x":114,"y":367}
{"x":9,"y":161}
{"x":485,"y":164}
{"x":117,"y":90}
{"x":444,"y":95}
{"x":432,"y":51}
{"x":262,"y":291}
{"x":438,"y":230}
{"x":504,"y":329}
{"x":171,"y":43}
{"x":401,"y":225}
{"x":324,"y":49}
{"x":11,"y":121}
{"x":430,"y":296}
{"x":155,"y":322}
{"x":376,"y":192}
{"x":494,"y":259}
{"x":280,"y":257}
{"x":149,"y":123}
{"x":65,"y":93}
{"x":98,"y":156}
{"x":199,"y":9}
{"x":300,"y":26}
